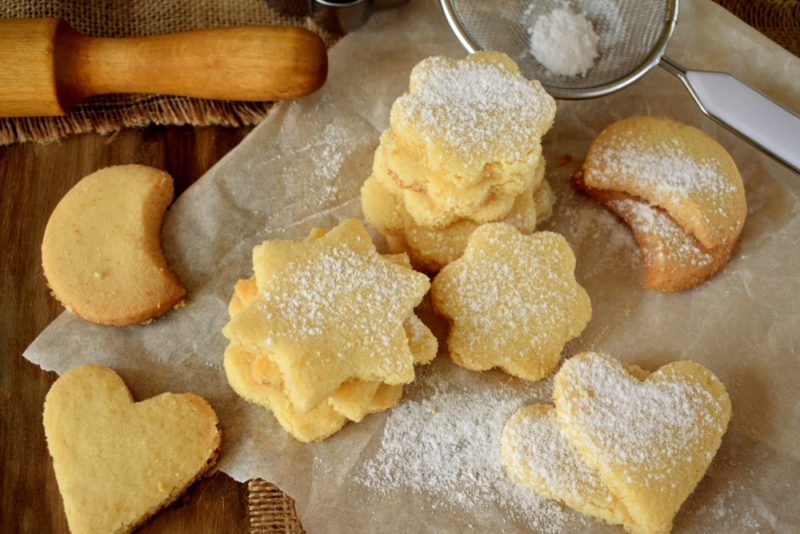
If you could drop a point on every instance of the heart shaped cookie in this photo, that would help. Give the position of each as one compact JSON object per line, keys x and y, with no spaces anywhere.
{"x":537,"y":452}
{"x":650,"y":439}
{"x":118,"y":462}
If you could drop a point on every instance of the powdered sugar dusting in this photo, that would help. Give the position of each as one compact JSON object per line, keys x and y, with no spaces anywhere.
{"x":478,"y":110}
{"x":635,"y":424}
{"x":666,"y":172}
{"x":444,"y":440}
{"x":564,"y":42}
{"x":673,"y":245}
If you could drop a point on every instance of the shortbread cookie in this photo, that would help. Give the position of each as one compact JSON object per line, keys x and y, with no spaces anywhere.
{"x":326,"y":299}
{"x":355,"y":399}
{"x":489,"y":204}
{"x":101,"y":250}
{"x":465,"y":117}
{"x":675,"y":167}
{"x":257,"y":379}
{"x":674,"y":260}
{"x":421,"y":341}
{"x":543,"y":200}
{"x":118,"y":462}
{"x":538,"y":453}
{"x":431,"y":249}
{"x":512,"y":301}
{"x":650,"y":439}
{"x":423,"y":190}
{"x":316,"y":424}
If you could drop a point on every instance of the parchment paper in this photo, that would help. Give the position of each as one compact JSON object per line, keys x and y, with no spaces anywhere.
{"x":303,"y":167}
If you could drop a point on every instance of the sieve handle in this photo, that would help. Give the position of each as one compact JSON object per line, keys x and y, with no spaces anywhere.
{"x":757,"y":118}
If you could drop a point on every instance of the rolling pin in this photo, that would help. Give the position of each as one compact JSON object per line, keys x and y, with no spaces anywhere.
{"x":46,"y":67}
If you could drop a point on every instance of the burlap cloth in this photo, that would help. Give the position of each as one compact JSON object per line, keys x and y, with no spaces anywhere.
{"x":270,"y":511}
{"x":134,"y":18}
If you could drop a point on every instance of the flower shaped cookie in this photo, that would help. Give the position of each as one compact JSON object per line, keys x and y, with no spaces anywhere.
{"x":512,"y":301}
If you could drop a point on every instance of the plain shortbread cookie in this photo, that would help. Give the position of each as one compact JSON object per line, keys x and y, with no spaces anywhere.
{"x":101,"y":250}
{"x":118,"y":462}
{"x":512,"y":301}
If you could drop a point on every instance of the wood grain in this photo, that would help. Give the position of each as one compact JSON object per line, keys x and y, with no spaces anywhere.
{"x":34,"y":178}
{"x":48,"y":67}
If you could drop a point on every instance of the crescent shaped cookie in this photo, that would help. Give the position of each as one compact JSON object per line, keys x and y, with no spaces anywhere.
{"x":674,"y":259}
{"x":101,"y":250}
{"x":679,"y":191}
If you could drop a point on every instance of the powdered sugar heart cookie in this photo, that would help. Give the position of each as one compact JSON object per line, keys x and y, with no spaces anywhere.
{"x":118,"y":462}
{"x":650,"y":439}
{"x":537,"y":452}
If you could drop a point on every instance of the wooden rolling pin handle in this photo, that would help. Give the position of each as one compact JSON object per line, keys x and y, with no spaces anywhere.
{"x":259,"y":63}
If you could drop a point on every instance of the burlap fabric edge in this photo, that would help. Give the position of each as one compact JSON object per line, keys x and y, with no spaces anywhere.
{"x":106,"y":114}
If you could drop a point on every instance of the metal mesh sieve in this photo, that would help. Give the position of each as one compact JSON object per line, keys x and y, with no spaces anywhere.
{"x":633,"y":35}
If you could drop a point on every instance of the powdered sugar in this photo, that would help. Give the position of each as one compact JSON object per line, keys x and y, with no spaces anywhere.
{"x":444,"y":440}
{"x":564,"y":42}
{"x":477,"y":109}
{"x":671,"y":244}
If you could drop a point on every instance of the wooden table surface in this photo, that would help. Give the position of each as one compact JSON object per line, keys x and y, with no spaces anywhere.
{"x":34,"y":178}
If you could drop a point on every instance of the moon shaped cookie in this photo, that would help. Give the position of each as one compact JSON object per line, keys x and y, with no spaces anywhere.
{"x":679,"y":191}
{"x":101,"y":250}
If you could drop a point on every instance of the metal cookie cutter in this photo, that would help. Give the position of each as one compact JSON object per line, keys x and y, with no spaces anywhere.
{"x":336,"y":16}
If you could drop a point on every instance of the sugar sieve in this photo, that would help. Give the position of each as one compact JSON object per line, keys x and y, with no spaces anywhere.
{"x":633,"y":36}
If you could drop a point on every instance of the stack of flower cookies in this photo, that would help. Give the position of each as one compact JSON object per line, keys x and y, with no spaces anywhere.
{"x":463,"y":148}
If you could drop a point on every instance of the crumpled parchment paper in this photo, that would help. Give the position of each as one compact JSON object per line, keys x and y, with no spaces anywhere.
{"x":303,"y":167}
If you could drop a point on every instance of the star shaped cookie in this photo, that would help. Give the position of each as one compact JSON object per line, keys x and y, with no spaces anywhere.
{"x":329,"y":310}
